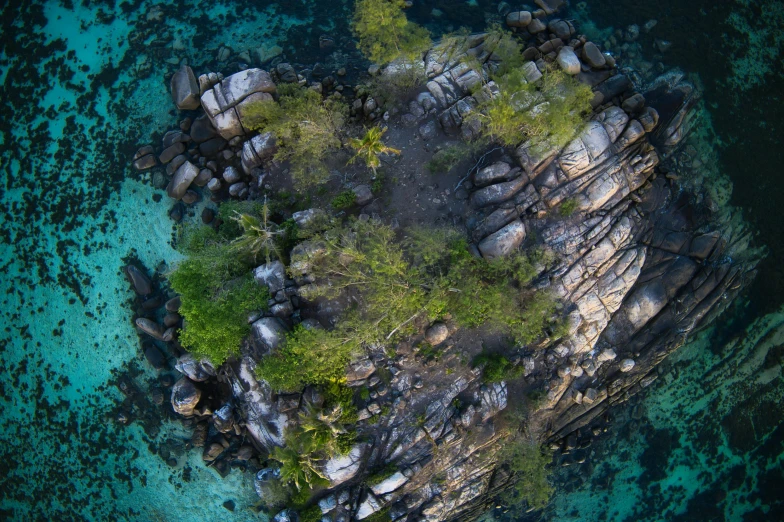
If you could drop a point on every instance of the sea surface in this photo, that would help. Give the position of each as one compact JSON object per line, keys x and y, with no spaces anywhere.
{"x":83,"y":85}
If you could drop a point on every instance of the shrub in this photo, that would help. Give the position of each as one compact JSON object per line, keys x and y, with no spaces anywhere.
{"x":370,"y":147}
{"x":548,"y":112}
{"x":497,"y":368}
{"x":309,"y":356}
{"x":306,"y":127}
{"x":527,"y":461}
{"x":397,"y":81}
{"x":217,"y":293}
{"x":385,"y":34}
{"x":344,"y":200}
{"x":567,"y":208}
{"x":446,"y":159}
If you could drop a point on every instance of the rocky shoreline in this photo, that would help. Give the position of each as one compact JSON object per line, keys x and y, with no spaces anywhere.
{"x":644,"y":260}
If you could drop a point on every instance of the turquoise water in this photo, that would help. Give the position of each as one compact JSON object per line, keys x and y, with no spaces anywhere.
{"x":83,"y":86}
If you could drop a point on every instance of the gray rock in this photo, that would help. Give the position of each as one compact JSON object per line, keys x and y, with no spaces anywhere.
{"x":369,"y":506}
{"x":627,"y":365}
{"x":305,"y":217}
{"x":590,"y":395}
{"x":214,"y":184}
{"x":185,"y":89}
{"x":328,"y":504}
{"x":223,"y":419}
{"x":593,"y":56}
{"x":341,"y":468}
{"x":231,"y":175}
{"x":606,"y":355}
{"x":390,"y":484}
{"x":268,"y":334}
{"x":536,"y":26}
{"x":169,"y":153}
{"x":499,"y":192}
{"x":182,"y":180}
{"x":202,"y":129}
{"x":185,"y":395}
{"x":364,"y":194}
{"x":437,"y":334}
{"x":145,"y":162}
{"x":238,"y":190}
{"x":568,"y":61}
{"x":150,"y":327}
{"x":428,"y":131}
{"x":492,"y":174}
{"x":503,"y":242}
{"x":359,"y":370}
{"x":272,"y":275}
{"x":195,"y":370}
{"x":257,"y":150}
{"x":519,"y":19}
{"x":140,"y":281}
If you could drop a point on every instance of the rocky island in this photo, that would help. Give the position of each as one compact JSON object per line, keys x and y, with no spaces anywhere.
{"x":407,"y":299}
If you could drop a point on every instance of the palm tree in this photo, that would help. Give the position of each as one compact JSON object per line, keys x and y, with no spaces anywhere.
{"x":259,"y":235}
{"x":370,"y":147}
{"x":297,"y":462}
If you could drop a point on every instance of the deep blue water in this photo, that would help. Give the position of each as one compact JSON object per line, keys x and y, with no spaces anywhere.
{"x":83,"y":85}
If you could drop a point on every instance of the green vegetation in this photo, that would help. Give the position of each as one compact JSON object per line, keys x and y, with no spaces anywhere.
{"x":298,"y":460}
{"x":217,"y":293}
{"x":548,"y":112}
{"x":379,"y":475}
{"x":567,"y":208}
{"x":306,"y":126}
{"x":395,"y":282}
{"x":370,"y":147}
{"x":448,"y":158}
{"x":380,"y":516}
{"x":527,"y":461}
{"x":497,"y":368}
{"x":385,"y":34}
{"x":310,"y":356}
{"x":259,"y":235}
{"x":344,"y":200}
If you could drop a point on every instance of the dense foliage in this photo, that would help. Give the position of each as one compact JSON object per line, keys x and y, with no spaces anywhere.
{"x":384,"y":32}
{"x":394,"y":281}
{"x":217,"y":293}
{"x":548,"y":112}
{"x":528,"y":461}
{"x":306,"y":127}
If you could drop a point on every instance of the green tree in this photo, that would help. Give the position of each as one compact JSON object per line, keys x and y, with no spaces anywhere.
{"x":384,"y":32}
{"x":528,"y":462}
{"x":259,"y":234}
{"x":549,"y":112}
{"x":370,"y":147}
{"x":306,"y":126}
{"x":217,"y":293}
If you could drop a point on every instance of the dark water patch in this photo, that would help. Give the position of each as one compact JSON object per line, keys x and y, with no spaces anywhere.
{"x":655,"y":458}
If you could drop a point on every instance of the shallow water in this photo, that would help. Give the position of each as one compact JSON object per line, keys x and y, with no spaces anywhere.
{"x":83,"y":86}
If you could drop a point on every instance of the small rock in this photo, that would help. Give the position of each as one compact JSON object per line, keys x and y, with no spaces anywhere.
{"x":428,"y":131}
{"x":437,"y":334}
{"x":364,"y":194}
{"x":627,"y":365}
{"x":519,"y":19}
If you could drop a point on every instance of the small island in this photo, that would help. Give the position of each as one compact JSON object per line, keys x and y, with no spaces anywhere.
{"x":403,"y":299}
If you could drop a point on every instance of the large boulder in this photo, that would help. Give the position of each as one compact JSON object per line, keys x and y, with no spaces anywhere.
{"x":268,"y":333}
{"x":257,"y":150}
{"x":185,"y":396}
{"x":503,"y":242}
{"x":341,"y":468}
{"x":568,"y":61}
{"x":272,"y":275}
{"x":221,"y":101}
{"x":185,"y":89}
{"x":182,"y":179}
